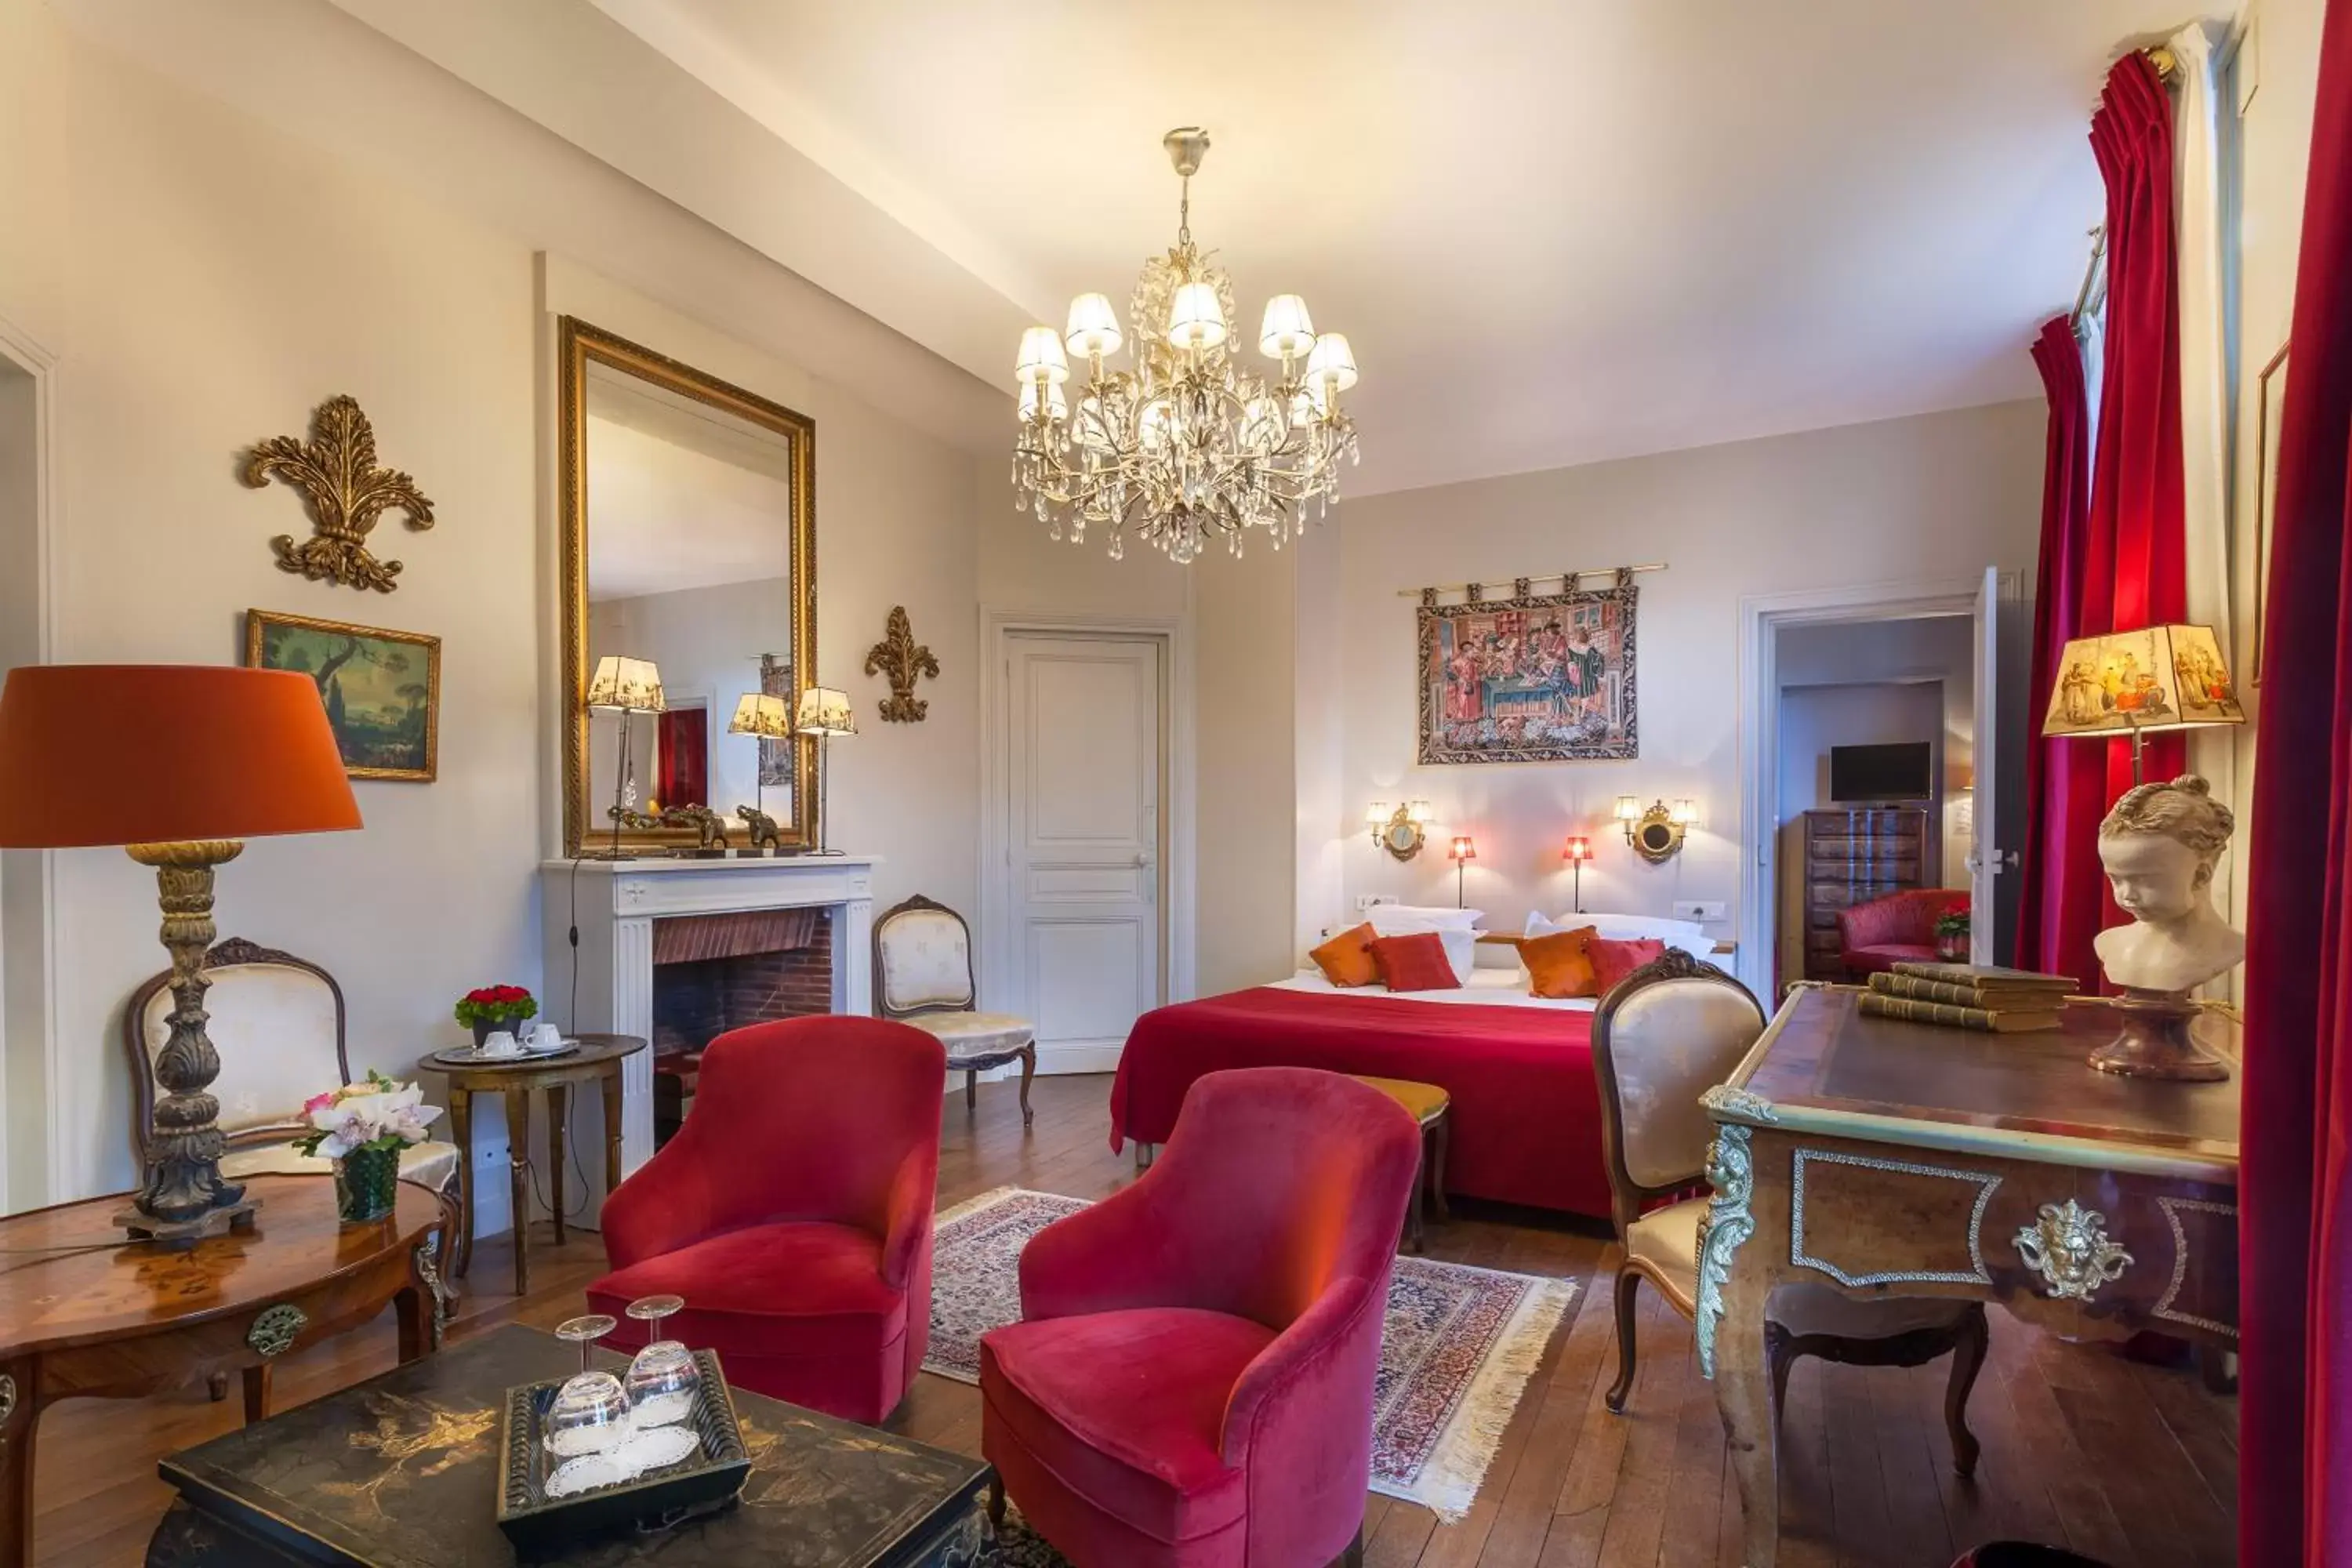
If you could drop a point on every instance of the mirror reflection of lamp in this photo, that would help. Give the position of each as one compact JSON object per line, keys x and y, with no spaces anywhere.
{"x":1461,"y":852}
{"x":766,"y":718}
{"x":626,"y":687}
{"x":1576,"y":852}
{"x":824,"y":713}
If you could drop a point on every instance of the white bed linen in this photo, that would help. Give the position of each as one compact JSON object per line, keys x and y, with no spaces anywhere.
{"x":1485,"y":988}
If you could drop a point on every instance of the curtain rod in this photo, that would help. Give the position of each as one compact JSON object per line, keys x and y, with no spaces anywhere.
{"x":2168,"y":67}
{"x":1567,"y":580}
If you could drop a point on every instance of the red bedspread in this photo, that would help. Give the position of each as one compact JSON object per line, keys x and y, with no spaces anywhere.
{"x":1526,"y":1114}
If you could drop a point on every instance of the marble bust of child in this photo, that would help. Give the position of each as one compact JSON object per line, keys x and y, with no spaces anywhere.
{"x":2158,"y":847}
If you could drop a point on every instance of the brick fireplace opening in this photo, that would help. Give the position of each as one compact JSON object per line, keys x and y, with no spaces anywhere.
{"x":717,"y":973}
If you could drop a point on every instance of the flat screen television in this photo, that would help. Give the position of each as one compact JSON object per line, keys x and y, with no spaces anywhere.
{"x":1898,"y":772}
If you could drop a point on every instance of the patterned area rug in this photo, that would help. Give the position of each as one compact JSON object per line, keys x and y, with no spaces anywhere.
{"x":1458,"y":1348}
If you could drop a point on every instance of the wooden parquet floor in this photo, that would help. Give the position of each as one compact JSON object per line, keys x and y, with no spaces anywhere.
{"x":2130,"y":1464}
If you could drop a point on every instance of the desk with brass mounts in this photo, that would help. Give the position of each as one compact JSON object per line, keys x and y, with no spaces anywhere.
{"x":85,"y":1314}
{"x":1884,"y":1158}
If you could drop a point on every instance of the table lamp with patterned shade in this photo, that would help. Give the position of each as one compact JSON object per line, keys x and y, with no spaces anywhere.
{"x":824,"y":713}
{"x":178,"y":763}
{"x":626,"y":687}
{"x":766,"y":717}
{"x":2142,"y":683}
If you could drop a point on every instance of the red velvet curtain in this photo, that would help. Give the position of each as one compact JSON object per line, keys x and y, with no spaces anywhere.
{"x":2129,"y":566}
{"x":680,"y":759}
{"x":2062,"y":778}
{"x":2294,"y":1507}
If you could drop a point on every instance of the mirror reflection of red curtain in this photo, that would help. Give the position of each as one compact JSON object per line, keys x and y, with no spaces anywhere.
{"x":2294,"y":1264}
{"x":680,"y":759}
{"x":2125,"y":564}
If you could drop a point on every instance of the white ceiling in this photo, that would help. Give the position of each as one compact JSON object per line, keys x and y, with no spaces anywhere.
{"x":1554,"y":230}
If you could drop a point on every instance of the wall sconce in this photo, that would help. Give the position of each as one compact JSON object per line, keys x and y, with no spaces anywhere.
{"x":1655,"y":832}
{"x":1461,"y":852}
{"x":1399,"y":832}
{"x":1578,"y":850}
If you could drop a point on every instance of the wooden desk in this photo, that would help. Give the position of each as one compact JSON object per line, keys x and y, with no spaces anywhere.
{"x":597,"y":1061}
{"x":1884,"y":1158}
{"x":103,"y":1317}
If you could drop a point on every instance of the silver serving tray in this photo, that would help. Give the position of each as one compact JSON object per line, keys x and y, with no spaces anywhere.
{"x":460,"y":1056}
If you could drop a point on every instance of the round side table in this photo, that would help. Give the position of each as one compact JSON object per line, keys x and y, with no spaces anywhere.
{"x":86,"y":1314}
{"x":1431,"y":1107}
{"x":597,"y":1061}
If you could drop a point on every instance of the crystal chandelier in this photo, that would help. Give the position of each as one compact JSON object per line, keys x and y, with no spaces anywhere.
{"x":1189,"y":445}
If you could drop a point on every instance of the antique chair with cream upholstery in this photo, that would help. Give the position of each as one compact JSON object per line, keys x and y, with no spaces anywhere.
{"x":1662,"y":1037}
{"x":277,"y":1021}
{"x":923,"y":976}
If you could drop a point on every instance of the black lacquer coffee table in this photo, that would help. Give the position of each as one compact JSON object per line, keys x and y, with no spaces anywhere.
{"x":400,"y":1471}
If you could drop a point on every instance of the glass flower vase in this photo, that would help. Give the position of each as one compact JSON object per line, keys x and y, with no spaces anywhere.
{"x":367,"y":1181}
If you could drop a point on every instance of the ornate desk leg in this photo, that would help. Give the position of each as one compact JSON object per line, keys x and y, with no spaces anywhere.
{"x":611,"y":1086}
{"x":461,"y":1129}
{"x":519,"y":1182}
{"x":1733,"y":1281}
{"x":19,"y":1413}
{"x":1028,"y":1071}
{"x":256,"y":1394}
{"x":559,"y":1144}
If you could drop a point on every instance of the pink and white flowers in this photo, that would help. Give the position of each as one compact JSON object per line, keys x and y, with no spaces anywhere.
{"x":374,"y":1114}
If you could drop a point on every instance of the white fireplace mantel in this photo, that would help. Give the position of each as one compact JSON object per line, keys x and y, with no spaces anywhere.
{"x":618,"y":902}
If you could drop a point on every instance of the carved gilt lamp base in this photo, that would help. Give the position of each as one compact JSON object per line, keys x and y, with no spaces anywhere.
{"x":183,"y":1195}
{"x":2154,"y":1040}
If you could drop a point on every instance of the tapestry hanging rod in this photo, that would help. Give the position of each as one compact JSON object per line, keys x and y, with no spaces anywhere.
{"x":1567,"y":581}
{"x":2168,"y":67}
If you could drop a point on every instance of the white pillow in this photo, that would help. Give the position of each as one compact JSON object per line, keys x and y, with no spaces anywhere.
{"x":1687,"y":935}
{"x":1461,"y":943}
{"x":1429,"y":916}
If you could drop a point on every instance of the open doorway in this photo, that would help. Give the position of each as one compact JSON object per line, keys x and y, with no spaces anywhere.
{"x":1877,"y":772}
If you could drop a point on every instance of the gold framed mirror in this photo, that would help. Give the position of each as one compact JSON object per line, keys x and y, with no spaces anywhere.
{"x":1655,"y":836}
{"x":687,"y":513}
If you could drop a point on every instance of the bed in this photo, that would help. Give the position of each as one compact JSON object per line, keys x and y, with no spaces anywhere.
{"x":1527,"y":1112}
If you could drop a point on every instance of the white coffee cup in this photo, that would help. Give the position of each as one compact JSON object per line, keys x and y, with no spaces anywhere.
{"x":545,"y":1037}
{"x":502,"y":1042}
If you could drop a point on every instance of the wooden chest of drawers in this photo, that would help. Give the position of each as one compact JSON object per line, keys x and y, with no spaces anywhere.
{"x":1851,"y":856}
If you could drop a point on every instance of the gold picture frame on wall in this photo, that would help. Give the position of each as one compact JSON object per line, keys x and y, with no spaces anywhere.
{"x":382,"y":689}
{"x":579,"y":346}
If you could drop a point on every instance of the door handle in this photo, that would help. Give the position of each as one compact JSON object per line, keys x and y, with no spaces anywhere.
{"x":1143,"y":858}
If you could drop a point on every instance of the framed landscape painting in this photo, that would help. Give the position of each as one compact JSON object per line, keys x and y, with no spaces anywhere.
{"x":1531,"y":678}
{"x":382,"y":689}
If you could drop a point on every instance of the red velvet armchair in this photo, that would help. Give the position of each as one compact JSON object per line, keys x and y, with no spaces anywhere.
{"x":792,"y":1211}
{"x":1897,"y":928}
{"x":1190,"y":1384}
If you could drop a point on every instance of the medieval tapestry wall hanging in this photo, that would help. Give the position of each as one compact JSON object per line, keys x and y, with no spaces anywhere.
{"x":1530,"y":678}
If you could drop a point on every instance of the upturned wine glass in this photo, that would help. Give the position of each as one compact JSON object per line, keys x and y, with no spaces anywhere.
{"x":662,"y":1378}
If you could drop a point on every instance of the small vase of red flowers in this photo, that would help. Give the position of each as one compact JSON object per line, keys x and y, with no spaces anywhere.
{"x":495,"y":1007}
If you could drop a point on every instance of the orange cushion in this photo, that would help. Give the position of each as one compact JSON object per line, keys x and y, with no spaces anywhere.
{"x":1414,"y":962}
{"x":1345,"y":960}
{"x":1612,"y":960}
{"x":1558,"y":964}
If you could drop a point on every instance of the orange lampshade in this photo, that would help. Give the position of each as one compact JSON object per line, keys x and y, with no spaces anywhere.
{"x":1579,"y":848}
{"x":1462,"y":849}
{"x":146,"y":753}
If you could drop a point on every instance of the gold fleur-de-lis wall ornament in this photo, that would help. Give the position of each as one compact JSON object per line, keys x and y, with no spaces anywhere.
{"x":345,"y":492}
{"x":902,"y":658}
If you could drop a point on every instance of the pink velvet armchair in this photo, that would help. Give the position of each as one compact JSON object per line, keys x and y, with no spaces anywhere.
{"x":1190,"y":1383}
{"x":1899,"y":928}
{"x":792,"y":1211}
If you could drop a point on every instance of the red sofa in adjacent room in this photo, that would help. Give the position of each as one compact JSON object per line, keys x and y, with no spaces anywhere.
{"x":1190,"y":1384}
{"x":1897,"y":928}
{"x":792,"y":1211}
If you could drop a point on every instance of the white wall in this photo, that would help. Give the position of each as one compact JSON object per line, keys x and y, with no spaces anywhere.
{"x":212,"y":279}
{"x":1932,"y":497}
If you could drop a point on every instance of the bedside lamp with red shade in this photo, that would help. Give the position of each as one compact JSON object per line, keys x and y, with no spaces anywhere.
{"x":1461,"y":852}
{"x":1576,"y":852}
{"x":178,"y":763}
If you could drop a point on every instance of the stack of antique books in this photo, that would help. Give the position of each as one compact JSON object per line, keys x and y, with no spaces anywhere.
{"x":1970,"y":996}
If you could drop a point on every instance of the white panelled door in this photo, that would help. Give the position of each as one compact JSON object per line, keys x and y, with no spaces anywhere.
{"x":1985,"y":862}
{"x":1082,"y":846}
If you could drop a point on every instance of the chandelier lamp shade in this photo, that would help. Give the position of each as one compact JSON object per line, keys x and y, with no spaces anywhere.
{"x":1189,"y":445}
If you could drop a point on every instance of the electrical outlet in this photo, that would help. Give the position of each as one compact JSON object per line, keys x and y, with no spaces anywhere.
{"x":1370,"y":901}
{"x":1701,"y":911}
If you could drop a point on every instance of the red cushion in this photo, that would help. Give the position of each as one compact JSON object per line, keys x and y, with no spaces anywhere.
{"x":1885,"y":955}
{"x":1612,"y":960}
{"x":1414,"y":962}
{"x":1127,"y":1408}
{"x":801,"y":1287}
